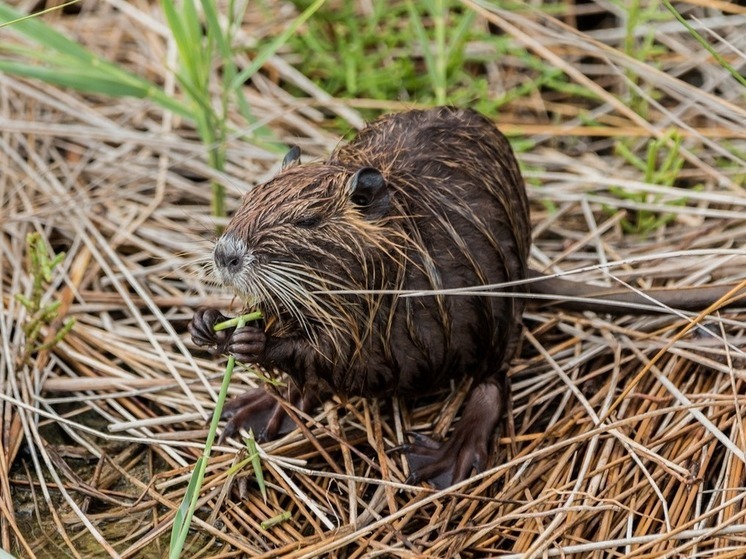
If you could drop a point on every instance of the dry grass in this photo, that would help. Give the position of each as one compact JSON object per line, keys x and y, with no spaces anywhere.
{"x":626,"y":436}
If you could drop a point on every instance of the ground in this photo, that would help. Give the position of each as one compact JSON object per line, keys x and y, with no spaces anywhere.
{"x":626,"y":434}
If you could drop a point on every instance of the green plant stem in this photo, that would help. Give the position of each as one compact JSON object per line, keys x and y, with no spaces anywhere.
{"x":701,"y":40}
{"x":185,"y":513}
{"x":238,"y":321}
{"x":283,"y":517}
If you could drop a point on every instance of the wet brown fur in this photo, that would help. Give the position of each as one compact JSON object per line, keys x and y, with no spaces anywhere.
{"x":457,"y":217}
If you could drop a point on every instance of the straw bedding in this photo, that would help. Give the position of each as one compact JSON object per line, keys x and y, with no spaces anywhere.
{"x":626,"y":435}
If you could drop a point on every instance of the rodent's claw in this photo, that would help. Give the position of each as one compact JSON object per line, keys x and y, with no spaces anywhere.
{"x":423,"y":442}
{"x":248,"y":411}
{"x":202,"y":332}
{"x":444,"y":464}
{"x":247,"y":344}
{"x":260,"y":412}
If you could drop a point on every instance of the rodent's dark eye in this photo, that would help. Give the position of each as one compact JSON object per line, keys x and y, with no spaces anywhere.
{"x":308,"y":222}
{"x":360,"y":201}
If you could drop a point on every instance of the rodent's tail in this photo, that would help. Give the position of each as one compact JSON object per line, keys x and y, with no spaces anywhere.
{"x":553,"y":291}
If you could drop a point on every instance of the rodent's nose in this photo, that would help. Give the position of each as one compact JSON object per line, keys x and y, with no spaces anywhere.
{"x":229,"y":259}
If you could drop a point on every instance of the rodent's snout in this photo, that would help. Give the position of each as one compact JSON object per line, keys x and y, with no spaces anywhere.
{"x":228,"y":256}
{"x":228,"y":260}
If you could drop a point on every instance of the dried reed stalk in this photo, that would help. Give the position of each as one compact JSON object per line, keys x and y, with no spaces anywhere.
{"x":626,"y":436}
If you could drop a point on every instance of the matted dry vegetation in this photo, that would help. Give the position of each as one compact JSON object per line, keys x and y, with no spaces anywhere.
{"x":626,"y":436}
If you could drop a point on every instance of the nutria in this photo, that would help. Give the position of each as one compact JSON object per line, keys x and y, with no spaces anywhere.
{"x":418,"y":201}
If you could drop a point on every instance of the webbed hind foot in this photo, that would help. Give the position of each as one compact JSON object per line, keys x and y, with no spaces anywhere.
{"x":446,"y":463}
{"x":261,"y":412}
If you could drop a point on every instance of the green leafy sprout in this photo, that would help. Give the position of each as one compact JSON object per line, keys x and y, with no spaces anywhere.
{"x":41,"y":314}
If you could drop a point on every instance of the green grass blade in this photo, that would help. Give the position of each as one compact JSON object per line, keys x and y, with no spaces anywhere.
{"x":215,"y":29}
{"x":424,"y":40}
{"x":701,"y":40}
{"x":39,"y":13}
{"x":42,"y":34}
{"x":272,"y":48}
{"x":459,"y":38}
{"x":184,"y":514}
{"x":68,"y":64}
{"x":441,"y":57}
{"x":187,"y":33}
{"x":80,"y":79}
{"x":256,"y":463}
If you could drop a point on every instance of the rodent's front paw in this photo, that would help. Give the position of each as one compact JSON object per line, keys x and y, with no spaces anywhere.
{"x":201,"y":328}
{"x":247,"y":344}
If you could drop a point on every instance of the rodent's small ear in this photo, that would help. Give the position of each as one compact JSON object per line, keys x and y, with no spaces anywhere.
{"x":292,"y":158}
{"x":368,"y":191}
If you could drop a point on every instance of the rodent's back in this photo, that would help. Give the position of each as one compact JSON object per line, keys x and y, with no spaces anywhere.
{"x":450,"y":163}
{"x":458,"y":197}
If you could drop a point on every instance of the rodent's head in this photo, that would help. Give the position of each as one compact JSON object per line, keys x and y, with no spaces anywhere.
{"x":315,"y":227}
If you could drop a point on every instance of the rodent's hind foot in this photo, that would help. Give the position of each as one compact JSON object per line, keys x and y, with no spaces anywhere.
{"x":261,"y":412}
{"x":430,"y":460}
{"x":445,"y":463}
